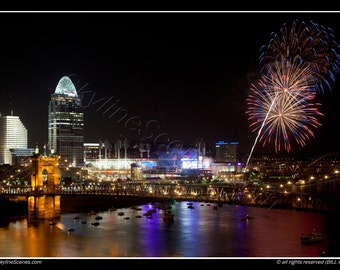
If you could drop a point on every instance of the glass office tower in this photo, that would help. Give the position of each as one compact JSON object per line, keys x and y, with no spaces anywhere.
{"x":66,"y":124}
{"x":13,"y":135}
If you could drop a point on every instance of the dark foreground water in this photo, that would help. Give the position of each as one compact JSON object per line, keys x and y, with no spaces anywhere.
{"x":201,"y":231}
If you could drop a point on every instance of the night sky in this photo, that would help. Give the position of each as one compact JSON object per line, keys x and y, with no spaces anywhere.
{"x":184,"y":74}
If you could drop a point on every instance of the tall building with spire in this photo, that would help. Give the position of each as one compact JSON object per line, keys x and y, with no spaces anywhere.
{"x":13,"y":137}
{"x":66,"y":124}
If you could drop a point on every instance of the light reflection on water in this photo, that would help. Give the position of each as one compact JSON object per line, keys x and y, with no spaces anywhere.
{"x":198,"y":232}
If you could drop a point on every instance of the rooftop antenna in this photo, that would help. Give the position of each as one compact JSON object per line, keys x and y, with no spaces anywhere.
{"x":10,"y":104}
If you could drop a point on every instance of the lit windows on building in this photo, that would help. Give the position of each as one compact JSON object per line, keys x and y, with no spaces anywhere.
{"x":66,"y":124}
{"x":226,"y":152}
{"x":13,"y":135}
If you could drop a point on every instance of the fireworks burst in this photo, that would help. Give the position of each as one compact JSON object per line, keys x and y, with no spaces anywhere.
{"x":281,"y":106}
{"x":297,"y":64}
{"x":311,"y":43}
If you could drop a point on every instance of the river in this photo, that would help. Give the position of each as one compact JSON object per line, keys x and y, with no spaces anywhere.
{"x":200,"y":231}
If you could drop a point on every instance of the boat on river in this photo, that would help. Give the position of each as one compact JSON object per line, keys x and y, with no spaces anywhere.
{"x":312,"y":238}
{"x":168,"y":216}
{"x":247,"y":217}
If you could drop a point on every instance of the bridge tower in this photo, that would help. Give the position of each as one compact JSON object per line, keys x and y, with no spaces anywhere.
{"x":42,"y":202}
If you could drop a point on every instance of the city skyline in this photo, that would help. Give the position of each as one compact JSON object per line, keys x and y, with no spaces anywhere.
{"x":184,"y":76}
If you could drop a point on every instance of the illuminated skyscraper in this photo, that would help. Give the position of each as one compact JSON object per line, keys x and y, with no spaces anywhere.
{"x":13,"y":136}
{"x":66,"y":124}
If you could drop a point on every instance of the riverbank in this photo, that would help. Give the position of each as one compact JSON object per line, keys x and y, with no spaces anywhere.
{"x":76,"y":203}
{"x":10,"y":208}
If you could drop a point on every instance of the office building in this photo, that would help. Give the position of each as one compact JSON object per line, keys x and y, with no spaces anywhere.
{"x":13,"y":136}
{"x":226,"y":152}
{"x":66,"y":124}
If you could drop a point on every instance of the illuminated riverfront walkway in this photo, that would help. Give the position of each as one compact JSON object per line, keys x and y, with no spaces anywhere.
{"x":323,"y":195}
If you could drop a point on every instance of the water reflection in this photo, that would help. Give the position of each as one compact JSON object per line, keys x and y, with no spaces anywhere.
{"x":201,"y":231}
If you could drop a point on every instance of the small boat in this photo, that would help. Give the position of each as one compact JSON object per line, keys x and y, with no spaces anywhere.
{"x":312,"y":238}
{"x":70,"y":229}
{"x":165,"y":207}
{"x":150,"y":211}
{"x":247,"y":217}
{"x":91,"y":213}
{"x":168,"y":216}
{"x":52,"y":222}
{"x":147,"y":214}
{"x":324,"y":254}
